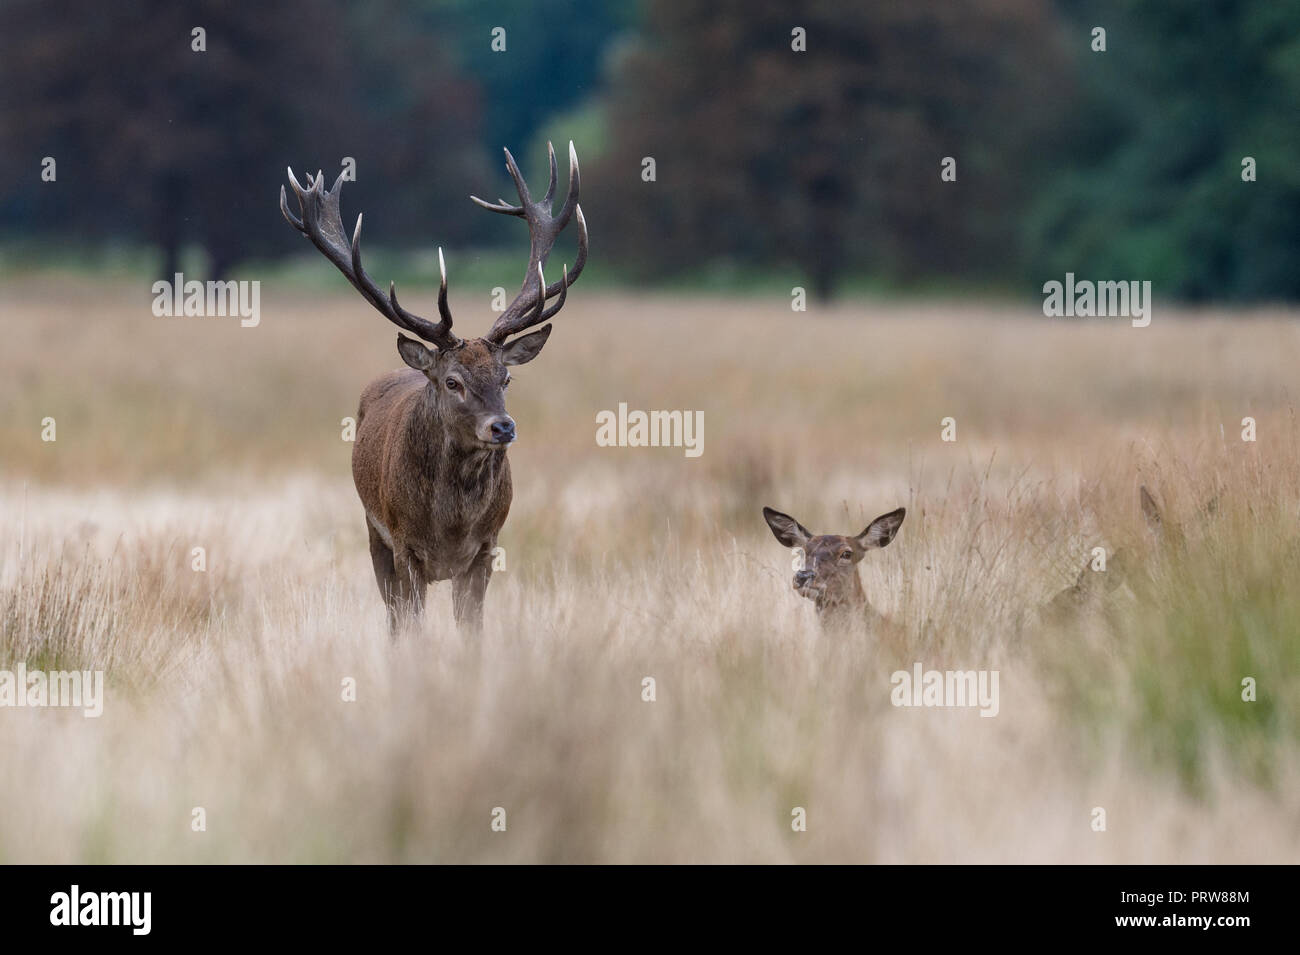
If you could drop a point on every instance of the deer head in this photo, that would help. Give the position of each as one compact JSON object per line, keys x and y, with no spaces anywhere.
{"x":829,"y":575}
{"x":1091,"y":588}
{"x":467,"y":378}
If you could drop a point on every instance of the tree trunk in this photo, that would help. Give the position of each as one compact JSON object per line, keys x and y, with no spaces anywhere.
{"x":171,"y":258}
{"x":220,"y":262}
{"x":166,"y":223}
{"x":823,"y":281}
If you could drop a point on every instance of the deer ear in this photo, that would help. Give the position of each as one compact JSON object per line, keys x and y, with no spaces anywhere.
{"x":1150,"y":509}
{"x":786,"y":529}
{"x":414,"y":353}
{"x":524,"y":349}
{"x":882,"y":530}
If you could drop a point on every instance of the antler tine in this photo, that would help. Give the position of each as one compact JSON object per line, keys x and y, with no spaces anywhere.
{"x":292,"y":219}
{"x":512,"y":167}
{"x":391,"y":301}
{"x":529,"y":306}
{"x":284,"y":204}
{"x":444,"y":311}
{"x":541,"y":301}
{"x":559,"y":302}
{"x":321,"y":223}
{"x":555,"y":288}
{"x":571,"y":202}
{"x":439,"y":334}
{"x":550,"y":190}
{"x":500,"y":205}
{"x":444,"y":340}
{"x":581,"y":260}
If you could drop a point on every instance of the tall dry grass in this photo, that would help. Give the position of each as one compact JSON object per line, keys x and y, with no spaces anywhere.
{"x":224,"y":687}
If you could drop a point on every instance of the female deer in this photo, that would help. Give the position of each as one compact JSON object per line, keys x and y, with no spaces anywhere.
{"x":829,"y":575}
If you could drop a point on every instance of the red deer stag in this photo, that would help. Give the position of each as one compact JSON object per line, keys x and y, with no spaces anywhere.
{"x":429,"y":460}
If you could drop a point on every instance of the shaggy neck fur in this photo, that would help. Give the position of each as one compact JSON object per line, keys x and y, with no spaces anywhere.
{"x":464,"y":476}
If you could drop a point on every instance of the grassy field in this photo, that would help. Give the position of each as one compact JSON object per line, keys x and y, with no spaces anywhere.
{"x":224,"y":686}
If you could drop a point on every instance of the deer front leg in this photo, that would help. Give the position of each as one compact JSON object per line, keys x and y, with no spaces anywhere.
{"x":467,"y":590}
{"x":409,"y":585}
{"x":381,"y":555}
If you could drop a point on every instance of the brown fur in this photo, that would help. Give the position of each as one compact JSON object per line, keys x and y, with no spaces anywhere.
{"x":426,"y":471}
{"x":829,"y":576}
{"x":1088,"y":595}
{"x":429,"y":460}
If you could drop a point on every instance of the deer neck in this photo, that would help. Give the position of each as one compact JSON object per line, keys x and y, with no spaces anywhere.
{"x":844,"y":605}
{"x":439,"y":459}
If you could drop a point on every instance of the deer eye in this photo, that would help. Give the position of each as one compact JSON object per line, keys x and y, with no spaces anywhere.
{"x":846,"y":555}
{"x":452,"y":384}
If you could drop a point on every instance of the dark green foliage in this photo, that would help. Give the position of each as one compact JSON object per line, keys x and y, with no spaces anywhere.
{"x":1146,"y":182}
{"x":157,"y":142}
{"x":830,"y":158}
{"x":822,"y":165}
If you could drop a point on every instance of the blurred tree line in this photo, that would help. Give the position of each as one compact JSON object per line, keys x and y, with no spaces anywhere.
{"x":748,"y":133}
{"x":822,"y":149}
{"x":1146,"y":176}
{"x":157,"y":141}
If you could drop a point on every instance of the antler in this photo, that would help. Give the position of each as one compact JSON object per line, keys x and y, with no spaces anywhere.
{"x":322,"y":224}
{"x":529,"y":307}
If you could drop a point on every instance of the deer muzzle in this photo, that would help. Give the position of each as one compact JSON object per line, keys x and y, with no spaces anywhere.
{"x":497,"y":430}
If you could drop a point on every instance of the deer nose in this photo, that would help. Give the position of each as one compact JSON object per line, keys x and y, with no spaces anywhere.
{"x":503,"y":430}
{"x":803,"y":577}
